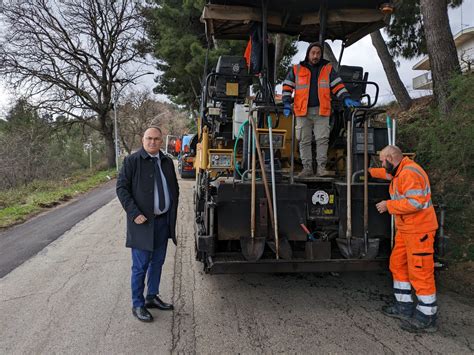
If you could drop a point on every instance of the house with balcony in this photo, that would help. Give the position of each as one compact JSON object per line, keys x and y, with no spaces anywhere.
{"x":464,"y":41}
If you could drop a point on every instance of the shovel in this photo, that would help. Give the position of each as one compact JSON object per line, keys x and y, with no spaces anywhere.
{"x":349,"y":247}
{"x":371,"y":245}
{"x":252,"y":247}
{"x":284,"y":248}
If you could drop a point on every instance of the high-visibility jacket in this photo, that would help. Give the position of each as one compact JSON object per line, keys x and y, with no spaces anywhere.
{"x":298,"y":80}
{"x":410,"y":194}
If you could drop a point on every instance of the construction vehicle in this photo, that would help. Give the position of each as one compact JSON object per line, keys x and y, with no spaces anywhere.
{"x":187,"y":156}
{"x":251,"y":213}
{"x":170,"y":145}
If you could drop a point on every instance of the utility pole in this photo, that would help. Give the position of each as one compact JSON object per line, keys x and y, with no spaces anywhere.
{"x":116,"y":131}
{"x":88,"y":147}
{"x":90,"y":154}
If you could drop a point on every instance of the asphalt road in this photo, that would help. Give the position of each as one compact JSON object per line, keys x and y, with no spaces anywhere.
{"x":21,"y":242}
{"x":74,"y":297}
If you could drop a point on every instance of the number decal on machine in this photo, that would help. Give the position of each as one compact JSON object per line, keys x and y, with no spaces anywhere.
{"x":320,"y":197}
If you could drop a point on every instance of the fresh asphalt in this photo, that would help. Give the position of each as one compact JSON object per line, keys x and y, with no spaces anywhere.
{"x":73,"y":297}
{"x":21,"y":242}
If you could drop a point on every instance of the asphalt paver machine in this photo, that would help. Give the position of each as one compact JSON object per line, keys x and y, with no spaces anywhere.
{"x":251,"y":212}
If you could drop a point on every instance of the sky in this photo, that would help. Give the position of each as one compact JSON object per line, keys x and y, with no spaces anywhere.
{"x":361,"y":54}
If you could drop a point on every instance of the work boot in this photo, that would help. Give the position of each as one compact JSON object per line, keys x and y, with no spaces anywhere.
{"x":305,"y":173}
{"x":400,"y":310}
{"x":420,"y":323}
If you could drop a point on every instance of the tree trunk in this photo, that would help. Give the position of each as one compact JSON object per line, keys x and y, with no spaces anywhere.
{"x":107,"y":131}
{"x":280,"y":42}
{"x":399,"y":90}
{"x":442,"y":52}
{"x":109,"y":150}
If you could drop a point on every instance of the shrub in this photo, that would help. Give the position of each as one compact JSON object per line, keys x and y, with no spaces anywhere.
{"x":444,"y":148}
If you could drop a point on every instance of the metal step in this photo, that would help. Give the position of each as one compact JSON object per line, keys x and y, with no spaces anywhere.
{"x":234,"y":263}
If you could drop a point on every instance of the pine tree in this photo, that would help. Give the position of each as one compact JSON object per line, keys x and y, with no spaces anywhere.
{"x":399,"y":90}
{"x":178,"y":42}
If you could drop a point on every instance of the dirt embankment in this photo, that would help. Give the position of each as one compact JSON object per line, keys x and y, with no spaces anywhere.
{"x":458,"y":278}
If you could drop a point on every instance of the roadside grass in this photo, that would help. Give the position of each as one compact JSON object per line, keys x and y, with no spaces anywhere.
{"x":16,"y":205}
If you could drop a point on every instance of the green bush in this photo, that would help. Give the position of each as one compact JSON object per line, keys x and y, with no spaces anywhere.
{"x":444,"y":148}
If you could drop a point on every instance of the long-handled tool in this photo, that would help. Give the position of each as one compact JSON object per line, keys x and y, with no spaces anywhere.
{"x":371,"y":246}
{"x":366,"y":187}
{"x":349,"y":246}
{"x":253,"y":247}
{"x":391,"y":127}
{"x":272,"y":171}
{"x":285,"y":247}
{"x":292,"y":157}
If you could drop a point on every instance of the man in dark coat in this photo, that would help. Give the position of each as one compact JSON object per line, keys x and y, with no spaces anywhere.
{"x":148,"y":191}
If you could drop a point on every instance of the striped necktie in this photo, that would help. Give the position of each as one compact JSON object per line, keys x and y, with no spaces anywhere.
{"x":159,"y":185}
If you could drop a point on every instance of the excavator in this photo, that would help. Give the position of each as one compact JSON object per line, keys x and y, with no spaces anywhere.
{"x":252,"y":214}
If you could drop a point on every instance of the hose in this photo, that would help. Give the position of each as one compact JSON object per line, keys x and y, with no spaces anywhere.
{"x":239,"y":134}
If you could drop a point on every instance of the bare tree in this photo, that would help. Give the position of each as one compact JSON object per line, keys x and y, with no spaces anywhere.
{"x":399,"y":90}
{"x":442,"y":52}
{"x":466,"y":61}
{"x":139,"y":111}
{"x":72,"y":56}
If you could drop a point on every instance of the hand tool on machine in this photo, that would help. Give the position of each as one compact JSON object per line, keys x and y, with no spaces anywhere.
{"x":252,"y":247}
{"x":371,"y":246}
{"x":349,"y":247}
{"x":272,"y":172}
{"x":391,"y":141}
{"x":285,"y":247}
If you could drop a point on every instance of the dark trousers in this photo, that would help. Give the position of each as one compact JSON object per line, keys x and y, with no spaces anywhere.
{"x":149,"y":263}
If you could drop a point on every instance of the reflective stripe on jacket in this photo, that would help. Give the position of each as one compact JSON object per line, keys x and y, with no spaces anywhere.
{"x":411,"y":199}
{"x":299,"y":79}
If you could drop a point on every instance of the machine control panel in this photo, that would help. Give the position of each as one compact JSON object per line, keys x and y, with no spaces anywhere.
{"x":220,"y":159}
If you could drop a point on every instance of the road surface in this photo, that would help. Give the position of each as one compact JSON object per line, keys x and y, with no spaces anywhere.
{"x":21,"y":242}
{"x":74,"y":297}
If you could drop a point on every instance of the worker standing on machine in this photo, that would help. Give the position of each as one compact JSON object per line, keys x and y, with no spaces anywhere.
{"x":313,"y":81}
{"x":411,"y":261}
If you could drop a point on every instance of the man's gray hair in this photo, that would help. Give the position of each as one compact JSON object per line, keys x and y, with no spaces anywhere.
{"x":154,"y":127}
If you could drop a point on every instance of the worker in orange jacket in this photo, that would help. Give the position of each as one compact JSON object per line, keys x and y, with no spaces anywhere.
{"x":313,"y":82}
{"x":411,"y":261}
{"x":177,"y":146}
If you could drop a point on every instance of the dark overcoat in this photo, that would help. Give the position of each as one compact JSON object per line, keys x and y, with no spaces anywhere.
{"x":135,"y":186}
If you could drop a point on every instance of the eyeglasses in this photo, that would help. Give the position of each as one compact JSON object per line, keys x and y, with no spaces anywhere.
{"x":154,"y":139}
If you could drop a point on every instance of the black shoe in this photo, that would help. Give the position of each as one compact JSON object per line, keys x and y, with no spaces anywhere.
{"x":142,"y":314}
{"x":397,"y":311}
{"x":415,"y":325}
{"x":156,"y":302}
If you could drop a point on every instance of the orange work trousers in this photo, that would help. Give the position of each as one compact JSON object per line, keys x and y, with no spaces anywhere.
{"x":412,"y":260}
